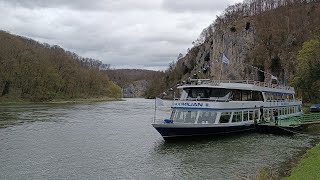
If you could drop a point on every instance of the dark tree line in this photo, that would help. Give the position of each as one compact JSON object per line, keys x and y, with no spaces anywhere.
{"x":248,"y":8}
{"x":40,"y":72}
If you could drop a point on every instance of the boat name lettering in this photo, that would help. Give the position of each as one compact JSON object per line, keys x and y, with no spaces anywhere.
{"x":189,"y":104}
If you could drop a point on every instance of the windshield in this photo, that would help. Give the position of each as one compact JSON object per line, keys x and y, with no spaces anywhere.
{"x":206,"y":93}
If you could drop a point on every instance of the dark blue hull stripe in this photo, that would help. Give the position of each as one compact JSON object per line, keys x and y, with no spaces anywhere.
{"x":200,"y":131}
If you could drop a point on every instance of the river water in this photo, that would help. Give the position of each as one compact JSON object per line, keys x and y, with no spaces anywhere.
{"x":115,"y":140}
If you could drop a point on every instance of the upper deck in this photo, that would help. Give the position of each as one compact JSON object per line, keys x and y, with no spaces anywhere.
{"x":240,"y":85}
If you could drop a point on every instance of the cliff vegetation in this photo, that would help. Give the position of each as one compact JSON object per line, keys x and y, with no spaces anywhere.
{"x":261,"y":39}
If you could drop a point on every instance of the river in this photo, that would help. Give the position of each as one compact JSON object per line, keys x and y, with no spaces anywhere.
{"x":115,"y":140}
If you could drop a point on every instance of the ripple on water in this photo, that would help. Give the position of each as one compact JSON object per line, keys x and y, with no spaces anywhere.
{"x":115,"y":140}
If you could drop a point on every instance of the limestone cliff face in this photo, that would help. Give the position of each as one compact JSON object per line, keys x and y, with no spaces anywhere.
{"x":269,"y":41}
{"x":235,"y":45}
{"x":135,"y":89}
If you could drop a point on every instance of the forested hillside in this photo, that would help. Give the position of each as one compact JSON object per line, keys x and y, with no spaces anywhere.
{"x":39,"y":72}
{"x":138,"y":82}
{"x":261,"y":38}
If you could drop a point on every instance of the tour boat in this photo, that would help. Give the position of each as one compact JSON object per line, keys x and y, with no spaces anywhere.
{"x":211,"y":107}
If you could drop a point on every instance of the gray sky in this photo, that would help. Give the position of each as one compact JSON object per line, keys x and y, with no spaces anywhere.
{"x":146,"y":34}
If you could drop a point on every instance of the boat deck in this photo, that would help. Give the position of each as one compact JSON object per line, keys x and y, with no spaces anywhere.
{"x":311,"y":118}
{"x":290,"y":125}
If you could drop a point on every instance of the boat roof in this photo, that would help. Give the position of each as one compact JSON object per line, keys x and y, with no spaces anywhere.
{"x":239,"y":84}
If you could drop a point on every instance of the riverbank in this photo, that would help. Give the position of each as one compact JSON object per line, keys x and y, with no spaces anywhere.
{"x":4,"y":101}
{"x":305,"y":165}
{"x":308,"y":167}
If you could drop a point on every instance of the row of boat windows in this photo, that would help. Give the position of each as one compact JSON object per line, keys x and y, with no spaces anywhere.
{"x":238,"y":116}
{"x":270,"y":113}
{"x":231,"y":94}
{"x":222,"y":94}
{"x":278,"y":96}
{"x":207,"y":117}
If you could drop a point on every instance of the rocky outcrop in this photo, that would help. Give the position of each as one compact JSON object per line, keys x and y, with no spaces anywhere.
{"x":135,"y":89}
{"x":206,"y":59}
{"x":257,"y":46}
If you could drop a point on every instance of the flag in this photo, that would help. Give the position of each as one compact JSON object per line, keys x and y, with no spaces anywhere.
{"x":225,"y":60}
{"x":274,"y":80}
{"x":273,"y":77}
{"x":159,"y":102}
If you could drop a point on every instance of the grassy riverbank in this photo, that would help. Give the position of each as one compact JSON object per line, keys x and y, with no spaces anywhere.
{"x":308,"y":167}
{"x":305,"y":166}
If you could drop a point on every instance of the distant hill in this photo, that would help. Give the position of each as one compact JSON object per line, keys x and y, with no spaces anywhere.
{"x":33,"y":71}
{"x":136,"y":82}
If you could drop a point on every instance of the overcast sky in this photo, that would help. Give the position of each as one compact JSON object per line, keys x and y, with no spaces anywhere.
{"x":146,"y":34}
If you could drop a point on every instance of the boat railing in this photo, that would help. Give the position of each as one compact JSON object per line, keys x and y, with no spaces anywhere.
{"x":285,"y":100}
{"x":281,"y":102}
{"x":251,"y":82}
{"x":202,"y":99}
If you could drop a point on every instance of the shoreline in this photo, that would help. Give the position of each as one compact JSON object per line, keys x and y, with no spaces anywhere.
{"x":306,"y":166}
{"x":60,"y":101}
{"x":288,"y":168}
{"x":296,"y":164}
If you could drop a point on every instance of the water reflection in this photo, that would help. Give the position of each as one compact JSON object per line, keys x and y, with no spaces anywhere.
{"x":11,"y":115}
{"x":231,"y":157}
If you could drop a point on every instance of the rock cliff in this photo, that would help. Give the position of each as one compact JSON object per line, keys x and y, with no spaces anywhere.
{"x":135,"y":89}
{"x":257,"y":46}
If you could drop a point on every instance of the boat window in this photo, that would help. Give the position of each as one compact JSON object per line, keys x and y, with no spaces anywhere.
{"x":172,"y":114}
{"x":236,"y":95}
{"x":198,"y":93}
{"x":219,"y":93}
{"x":208,"y":93}
{"x":243,"y":95}
{"x":237,"y":116}
{"x":245,"y":115}
{"x":270,"y":111}
{"x":184,"y":116}
{"x":251,"y":115}
{"x":266,"y":113}
{"x":279,"y":96}
{"x":184,"y":93}
{"x":257,"y":96}
{"x":256,"y":114}
{"x":206,"y":117}
{"x":225,"y":117}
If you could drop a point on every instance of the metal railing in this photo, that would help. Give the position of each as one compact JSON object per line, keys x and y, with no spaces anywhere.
{"x":251,"y":82}
{"x":202,"y":99}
